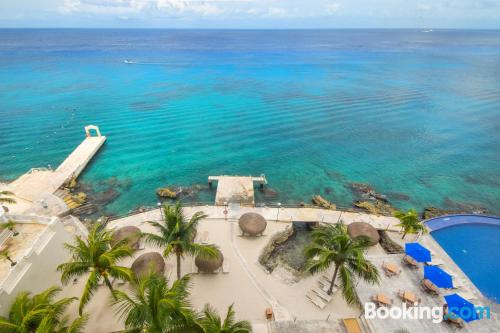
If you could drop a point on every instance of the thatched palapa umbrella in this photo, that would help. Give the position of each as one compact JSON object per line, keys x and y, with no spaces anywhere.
{"x":252,"y":224}
{"x":209,"y":264}
{"x":130,"y":233}
{"x":360,"y":229}
{"x":151,"y":262}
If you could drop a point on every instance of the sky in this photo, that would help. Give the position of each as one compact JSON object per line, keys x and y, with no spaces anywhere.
{"x":250,"y":14}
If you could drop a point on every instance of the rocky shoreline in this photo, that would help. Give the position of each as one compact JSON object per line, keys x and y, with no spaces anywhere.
{"x":366,"y":198}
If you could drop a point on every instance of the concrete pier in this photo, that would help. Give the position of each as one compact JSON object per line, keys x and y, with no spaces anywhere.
{"x":39,"y":184}
{"x":235,"y":189}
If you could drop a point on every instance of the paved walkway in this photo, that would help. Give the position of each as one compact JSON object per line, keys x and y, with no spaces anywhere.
{"x":280,"y":312}
{"x":275,"y":214}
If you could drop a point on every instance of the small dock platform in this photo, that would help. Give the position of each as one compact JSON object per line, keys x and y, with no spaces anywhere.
{"x":38,"y":182}
{"x":235,"y":189}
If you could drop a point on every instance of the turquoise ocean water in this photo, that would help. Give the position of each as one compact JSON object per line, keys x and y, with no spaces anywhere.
{"x":409,"y":112}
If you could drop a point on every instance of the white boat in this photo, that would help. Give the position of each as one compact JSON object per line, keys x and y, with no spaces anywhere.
{"x":128,"y":61}
{"x":428,"y":30}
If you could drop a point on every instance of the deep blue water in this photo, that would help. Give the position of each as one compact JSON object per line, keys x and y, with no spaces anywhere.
{"x":406,"y":111}
{"x":475,"y":247}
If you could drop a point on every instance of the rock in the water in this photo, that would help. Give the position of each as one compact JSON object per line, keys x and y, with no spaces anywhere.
{"x":375,"y":207}
{"x":269,"y":193}
{"x":103,"y":198}
{"x":165,"y":192}
{"x":322,"y":202}
{"x":367,"y":192}
{"x":465,"y":207}
{"x":432,"y":212}
{"x":398,"y":196}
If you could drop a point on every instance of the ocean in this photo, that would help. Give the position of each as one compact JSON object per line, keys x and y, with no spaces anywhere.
{"x":414,"y":114}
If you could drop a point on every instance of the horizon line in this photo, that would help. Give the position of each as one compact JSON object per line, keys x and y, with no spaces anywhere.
{"x":249,"y":29}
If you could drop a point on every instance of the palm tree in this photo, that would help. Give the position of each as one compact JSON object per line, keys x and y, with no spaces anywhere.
{"x":4,"y":198}
{"x":152,"y":306}
{"x":331,"y":244}
{"x":95,"y":255}
{"x":212,"y":322}
{"x":41,"y":314}
{"x":410,"y":222}
{"x":5,"y":254}
{"x":176,"y":235}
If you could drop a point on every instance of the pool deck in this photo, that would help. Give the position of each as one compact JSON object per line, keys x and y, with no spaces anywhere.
{"x":459,"y":219}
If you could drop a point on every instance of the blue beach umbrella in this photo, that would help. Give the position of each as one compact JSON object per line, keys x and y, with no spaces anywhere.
{"x":437,"y":276}
{"x":418,"y":252}
{"x":461,"y":307}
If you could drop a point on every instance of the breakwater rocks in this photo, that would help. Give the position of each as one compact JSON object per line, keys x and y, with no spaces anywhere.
{"x":98,"y":195}
{"x":366,"y":192}
{"x":271,"y":248}
{"x":432,"y":212}
{"x":285,"y":250}
{"x":370,"y":200}
{"x":181,"y":192}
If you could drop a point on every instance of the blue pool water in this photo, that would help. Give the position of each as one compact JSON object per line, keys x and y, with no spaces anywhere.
{"x":475,"y":248}
{"x":409,"y":112}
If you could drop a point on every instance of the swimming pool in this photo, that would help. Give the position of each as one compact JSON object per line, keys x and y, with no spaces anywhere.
{"x":472,"y":242}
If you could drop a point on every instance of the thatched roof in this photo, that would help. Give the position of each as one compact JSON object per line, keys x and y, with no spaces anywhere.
{"x":209,"y":265}
{"x":151,"y":262}
{"x":132,"y":234}
{"x":252,"y":224}
{"x":358,"y":229}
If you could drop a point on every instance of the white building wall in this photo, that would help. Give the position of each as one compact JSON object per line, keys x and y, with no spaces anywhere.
{"x":37,"y":269}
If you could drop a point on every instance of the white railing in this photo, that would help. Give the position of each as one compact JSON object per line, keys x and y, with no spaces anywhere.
{"x":29,"y":218}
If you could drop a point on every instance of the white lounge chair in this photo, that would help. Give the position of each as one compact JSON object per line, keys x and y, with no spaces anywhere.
{"x":468,"y":295}
{"x":315,"y":300}
{"x":327,"y":298}
{"x":436,"y":262}
{"x":458,"y":283}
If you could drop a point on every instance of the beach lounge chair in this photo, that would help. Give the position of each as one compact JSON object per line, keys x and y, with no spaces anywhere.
{"x":458,"y":283}
{"x":311,"y":296}
{"x":352,"y":325}
{"x":327,"y":279}
{"x":325,"y":285}
{"x":436,"y":262}
{"x":410,"y":262}
{"x":324,"y":295}
{"x":468,"y":295}
{"x":390,"y":269}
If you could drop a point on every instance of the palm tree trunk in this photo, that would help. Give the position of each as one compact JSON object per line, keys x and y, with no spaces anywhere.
{"x":110,"y":286}
{"x":330,"y":290}
{"x":404,"y":235}
{"x":178,"y":266}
